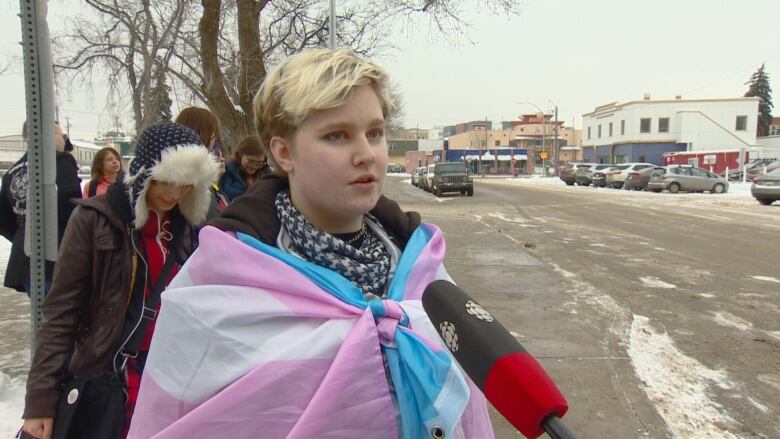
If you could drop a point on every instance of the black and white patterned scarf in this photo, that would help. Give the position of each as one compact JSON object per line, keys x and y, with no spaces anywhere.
{"x":368,"y":267}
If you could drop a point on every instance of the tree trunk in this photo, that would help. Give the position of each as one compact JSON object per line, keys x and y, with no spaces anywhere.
{"x":235,"y":123}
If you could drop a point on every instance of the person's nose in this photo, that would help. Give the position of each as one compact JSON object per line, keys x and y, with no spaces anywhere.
{"x":365,"y":151}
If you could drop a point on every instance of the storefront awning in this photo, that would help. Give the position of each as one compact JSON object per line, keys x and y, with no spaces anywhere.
{"x":488,"y":156}
{"x":521,"y":157}
{"x":504,"y":158}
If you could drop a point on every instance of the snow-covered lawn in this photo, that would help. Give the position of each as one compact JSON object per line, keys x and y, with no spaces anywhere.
{"x":738,"y":192}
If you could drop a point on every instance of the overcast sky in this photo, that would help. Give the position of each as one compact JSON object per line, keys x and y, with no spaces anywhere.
{"x":576,"y":54}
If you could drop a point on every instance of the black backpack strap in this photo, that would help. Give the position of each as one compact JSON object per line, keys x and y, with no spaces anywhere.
{"x":92,"y":188}
{"x":137,"y":333}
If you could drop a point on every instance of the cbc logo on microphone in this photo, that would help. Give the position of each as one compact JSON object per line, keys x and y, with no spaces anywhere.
{"x":449,"y":335}
{"x":477,"y":311}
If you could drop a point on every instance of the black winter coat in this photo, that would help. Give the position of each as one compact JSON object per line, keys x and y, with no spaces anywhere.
{"x":13,"y":208}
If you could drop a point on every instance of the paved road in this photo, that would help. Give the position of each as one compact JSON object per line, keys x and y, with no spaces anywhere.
{"x":657,"y":316}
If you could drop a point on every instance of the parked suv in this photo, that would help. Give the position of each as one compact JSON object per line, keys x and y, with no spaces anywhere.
{"x":568,"y":171}
{"x":451,"y":177}
{"x":676,"y":178}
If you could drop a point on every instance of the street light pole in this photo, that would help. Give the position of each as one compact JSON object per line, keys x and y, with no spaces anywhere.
{"x":544,"y":131}
{"x":556,"y":145}
{"x":332,"y":25}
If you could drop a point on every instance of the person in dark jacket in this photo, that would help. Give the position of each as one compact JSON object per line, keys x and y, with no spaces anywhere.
{"x":113,"y":251}
{"x":321,"y":117}
{"x":249,"y":164}
{"x":13,"y":210}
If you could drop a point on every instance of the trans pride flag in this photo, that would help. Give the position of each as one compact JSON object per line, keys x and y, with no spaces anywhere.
{"x":253,"y":342}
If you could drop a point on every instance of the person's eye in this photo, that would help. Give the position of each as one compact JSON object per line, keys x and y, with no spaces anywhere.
{"x":376,"y":133}
{"x":335,"y":136}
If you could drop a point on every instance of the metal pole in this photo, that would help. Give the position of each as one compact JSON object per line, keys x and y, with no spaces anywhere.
{"x":544,"y":141}
{"x":556,"y":145}
{"x":332,"y":25}
{"x":41,"y":217}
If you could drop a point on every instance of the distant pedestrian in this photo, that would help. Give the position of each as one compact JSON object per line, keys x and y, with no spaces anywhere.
{"x":219,"y":200}
{"x":106,"y":165}
{"x":13,"y":210}
{"x":203,"y":122}
{"x":249,"y":164}
{"x":119,"y":252}
{"x":206,"y":125}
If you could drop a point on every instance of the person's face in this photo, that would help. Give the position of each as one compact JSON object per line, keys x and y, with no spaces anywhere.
{"x":336,"y":162}
{"x":220,"y":160}
{"x":162,"y":196}
{"x":111,"y":164}
{"x":251,"y":163}
{"x":59,"y":139}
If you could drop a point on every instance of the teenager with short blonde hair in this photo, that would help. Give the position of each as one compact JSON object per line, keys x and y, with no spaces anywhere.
{"x":311,"y":324}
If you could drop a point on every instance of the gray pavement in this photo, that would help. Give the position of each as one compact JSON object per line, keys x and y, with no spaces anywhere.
{"x":657,"y":317}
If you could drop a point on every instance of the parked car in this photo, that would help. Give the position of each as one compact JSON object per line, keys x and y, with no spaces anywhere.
{"x":583,"y":176}
{"x":762,"y":168}
{"x":766,"y":188}
{"x":426,"y":178}
{"x":638,"y":180}
{"x":567,"y":171}
{"x":616,"y":177}
{"x":451,"y":177}
{"x":676,"y":178}
{"x":395,"y":168}
{"x":416,"y":176}
{"x":599,"y":178}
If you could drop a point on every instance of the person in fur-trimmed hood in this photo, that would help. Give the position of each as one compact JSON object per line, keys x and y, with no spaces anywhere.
{"x":115,"y":248}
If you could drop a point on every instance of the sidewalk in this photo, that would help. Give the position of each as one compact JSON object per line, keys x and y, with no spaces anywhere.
{"x":14,"y":351}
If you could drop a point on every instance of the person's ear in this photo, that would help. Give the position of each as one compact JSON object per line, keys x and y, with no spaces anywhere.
{"x":280,"y":148}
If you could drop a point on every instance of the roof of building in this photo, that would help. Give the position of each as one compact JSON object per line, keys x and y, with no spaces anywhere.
{"x":615,"y":105}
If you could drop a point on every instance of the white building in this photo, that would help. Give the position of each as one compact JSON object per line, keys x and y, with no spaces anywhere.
{"x":436,"y":132}
{"x":641,"y":131}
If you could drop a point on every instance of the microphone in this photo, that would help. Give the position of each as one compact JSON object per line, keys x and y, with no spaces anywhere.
{"x":511,"y":379}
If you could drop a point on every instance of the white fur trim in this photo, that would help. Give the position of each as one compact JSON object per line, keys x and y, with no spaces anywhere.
{"x":182,"y":165}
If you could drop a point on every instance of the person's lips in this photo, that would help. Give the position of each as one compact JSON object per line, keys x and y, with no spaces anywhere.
{"x":364,"y":179}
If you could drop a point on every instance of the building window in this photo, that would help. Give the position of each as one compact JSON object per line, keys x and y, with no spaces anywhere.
{"x":644,"y":125}
{"x":610,"y":129}
{"x":622,"y":127}
{"x":498,"y":142}
{"x":741,"y":123}
{"x":599,"y":131}
{"x":588,"y":133}
{"x":663,"y":125}
{"x":774,"y":130}
{"x":391,"y":147}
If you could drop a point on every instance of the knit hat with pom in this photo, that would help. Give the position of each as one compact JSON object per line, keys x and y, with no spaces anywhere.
{"x":171,"y":153}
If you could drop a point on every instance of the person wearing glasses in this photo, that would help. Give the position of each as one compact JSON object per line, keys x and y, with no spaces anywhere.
{"x":248,"y":165}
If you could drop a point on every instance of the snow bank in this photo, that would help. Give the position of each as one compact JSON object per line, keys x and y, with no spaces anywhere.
{"x":11,"y":404}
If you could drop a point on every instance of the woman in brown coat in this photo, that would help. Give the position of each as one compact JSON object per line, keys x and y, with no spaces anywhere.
{"x":114,"y":248}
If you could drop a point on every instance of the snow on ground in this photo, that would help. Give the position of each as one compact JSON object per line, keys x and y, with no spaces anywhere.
{"x":654,"y":282}
{"x":767,"y":279}
{"x":11,"y":405}
{"x":738,"y":193}
{"x":678,"y":384}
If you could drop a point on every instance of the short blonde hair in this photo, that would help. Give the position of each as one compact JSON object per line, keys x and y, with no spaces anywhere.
{"x":315,"y":79}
